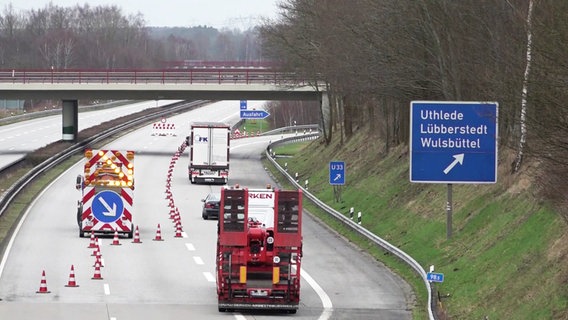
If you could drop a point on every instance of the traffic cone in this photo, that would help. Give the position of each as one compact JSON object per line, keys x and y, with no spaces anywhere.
{"x":97,"y":275}
{"x":178,"y":231}
{"x":97,"y":249}
{"x":99,"y":260}
{"x":43,"y":284}
{"x":136,"y":236}
{"x":93,"y":243}
{"x":177,"y":217}
{"x":71,"y":282}
{"x":172,"y":213}
{"x":158,"y":234}
{"x":115,"y":241}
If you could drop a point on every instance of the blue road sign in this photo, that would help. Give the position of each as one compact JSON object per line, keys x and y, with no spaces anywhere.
{"x":107,"y":206}
{"x":435,"y":277}
{"x":453,"y":142}
{"x":254,"y":114}
{"x":337,"y":173}
{"x":243,"y":104}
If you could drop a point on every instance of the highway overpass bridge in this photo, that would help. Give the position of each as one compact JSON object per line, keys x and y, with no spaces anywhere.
{"x":156,"y":84}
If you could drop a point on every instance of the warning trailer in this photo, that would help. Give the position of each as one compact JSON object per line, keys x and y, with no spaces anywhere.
{"x":107,"y":191}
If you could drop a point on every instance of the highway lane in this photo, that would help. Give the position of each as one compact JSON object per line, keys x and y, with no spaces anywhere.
{"x":17,"y":139}
{"x":173,"y":278}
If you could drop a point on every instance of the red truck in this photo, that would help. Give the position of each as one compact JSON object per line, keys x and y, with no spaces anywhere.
{"x":259,"y":249}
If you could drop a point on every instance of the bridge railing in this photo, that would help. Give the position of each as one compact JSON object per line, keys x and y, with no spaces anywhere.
{"x":236,"y":76}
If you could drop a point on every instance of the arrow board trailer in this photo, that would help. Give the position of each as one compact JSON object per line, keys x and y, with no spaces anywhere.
{"x":453,"y":142}
{"x":107,"y":192}
{"x":209,"y":152}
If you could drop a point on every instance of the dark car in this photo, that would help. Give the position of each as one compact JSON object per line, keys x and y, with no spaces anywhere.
{"x":211,"y":206}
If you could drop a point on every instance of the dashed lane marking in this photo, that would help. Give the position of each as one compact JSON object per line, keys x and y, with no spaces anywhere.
{"x":209,"y":276}
{"x":198,"y":260}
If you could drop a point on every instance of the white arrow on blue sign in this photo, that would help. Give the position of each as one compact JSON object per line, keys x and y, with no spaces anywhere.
{"x":107,"y":206}
{"x":254,"y":114}
{"x":243,"y":104}
{"x":435,"y":277}
{"x":453,"y":142}
{"x":337,"y":173}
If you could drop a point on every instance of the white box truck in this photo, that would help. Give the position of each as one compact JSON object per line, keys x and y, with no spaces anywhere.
{"x":209,"y":152}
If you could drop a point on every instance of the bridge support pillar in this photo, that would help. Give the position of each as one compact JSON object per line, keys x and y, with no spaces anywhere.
{"x":70,"y":119}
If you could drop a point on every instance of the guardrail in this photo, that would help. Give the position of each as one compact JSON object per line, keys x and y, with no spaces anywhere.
{"x":305,"y":128}
{"x":385,"y":245}
{"x":21,"y":183}
{"x":151,"y":76}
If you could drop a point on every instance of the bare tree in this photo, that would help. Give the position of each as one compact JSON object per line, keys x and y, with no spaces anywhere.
{"x":524,"y":92}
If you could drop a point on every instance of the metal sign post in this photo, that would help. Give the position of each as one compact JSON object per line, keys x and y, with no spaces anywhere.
{"x":449,"y":207}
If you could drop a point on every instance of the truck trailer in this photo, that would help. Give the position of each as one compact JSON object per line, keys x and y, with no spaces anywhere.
{"x":259,"y":249}
{"x":209,"y":152}
{"x":107,"y":192}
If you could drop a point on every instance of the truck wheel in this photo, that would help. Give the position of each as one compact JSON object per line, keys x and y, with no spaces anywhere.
{"x":79,"y":213}
{"x":130,"y":235}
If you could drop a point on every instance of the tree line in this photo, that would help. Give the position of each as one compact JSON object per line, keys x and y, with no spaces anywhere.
{"x":103,"y":37}
{"x":376,"y":56}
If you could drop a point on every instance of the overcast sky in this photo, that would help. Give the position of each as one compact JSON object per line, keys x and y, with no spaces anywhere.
{"x":176,"y":13}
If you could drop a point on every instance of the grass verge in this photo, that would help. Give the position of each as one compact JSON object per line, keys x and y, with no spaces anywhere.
{"x":508,"y":254}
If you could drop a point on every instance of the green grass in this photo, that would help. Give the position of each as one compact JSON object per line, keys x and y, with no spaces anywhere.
{"x":11,"y":216}
{"x":505,"y":260}
{"x":252,"y":126}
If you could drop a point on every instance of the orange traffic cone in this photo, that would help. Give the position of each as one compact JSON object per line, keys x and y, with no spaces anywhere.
{"x":158,"y":234}
{"x":93,"y":243}
{"x":97,"y":275}
{"x":115,"y":241}
{"x":136,"y":236}
{"x":43,"y":285}
{"x":71,"y":282}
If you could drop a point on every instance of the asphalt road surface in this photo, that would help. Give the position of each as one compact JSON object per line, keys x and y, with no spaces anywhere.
{"x":19,"y":138}
{"x":174,"y":278}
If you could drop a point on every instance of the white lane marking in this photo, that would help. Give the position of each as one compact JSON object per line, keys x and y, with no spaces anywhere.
{"x":190,"y":247}
{"x":240,"y":317}
{"x":112,"y":318}
{"x":23,"y":219}
{"x":209,"y":276}
{"x":107,"y":289}
{"x":183,"y":234}
{"x":198,"y":260}
{"x":325,"y":300}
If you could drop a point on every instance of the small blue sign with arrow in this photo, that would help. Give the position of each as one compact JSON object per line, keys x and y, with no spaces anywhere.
{"x":337,"y":173}
{"x":243,"y":104}
{"x":254,"y":114}
{"x":107,"y":206}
